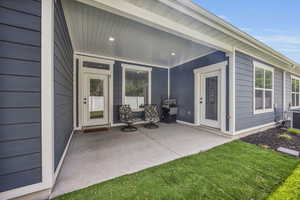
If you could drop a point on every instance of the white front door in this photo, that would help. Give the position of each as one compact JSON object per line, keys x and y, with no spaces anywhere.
{"x":210,"y":101}
{"x":95,"y":99}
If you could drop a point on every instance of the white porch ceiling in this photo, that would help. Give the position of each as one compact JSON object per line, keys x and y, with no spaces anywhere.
{"x":90,"y":29}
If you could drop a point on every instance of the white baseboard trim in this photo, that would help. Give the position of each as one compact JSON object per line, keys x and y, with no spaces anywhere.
{"x":19,"y":192}
{"x":62,"y":158}
{"x":264,"y":126}
{"x":186,"y":123}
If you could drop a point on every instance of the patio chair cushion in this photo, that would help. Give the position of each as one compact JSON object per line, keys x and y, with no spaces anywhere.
{"x":152,"y":113}
{"x":125,"y":113}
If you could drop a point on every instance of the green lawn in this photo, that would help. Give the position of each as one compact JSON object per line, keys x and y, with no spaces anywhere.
{"x":290,"y":190}
{"x":235,"y":171}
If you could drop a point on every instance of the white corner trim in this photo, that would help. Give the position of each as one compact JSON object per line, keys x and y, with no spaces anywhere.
{"x":58,"y":168}
{"x":186,"y":123}
{"x":169,"y":82}
{"x":74,"y":91}
{"x":284,"y":92}
{"x":232,"y":82}
{"x":258,"y":128}
{"x":138,"y":68}
{"x":47,"y":92}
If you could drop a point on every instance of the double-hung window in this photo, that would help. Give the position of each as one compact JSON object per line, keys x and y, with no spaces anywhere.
{"x":263,"y":88}
{"x":136,"y":86}
{"x":295,"y":92}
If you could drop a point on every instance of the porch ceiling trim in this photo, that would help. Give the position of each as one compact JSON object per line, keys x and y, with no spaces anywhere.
{"x":80,"y":53}
{"x":125,"y":9}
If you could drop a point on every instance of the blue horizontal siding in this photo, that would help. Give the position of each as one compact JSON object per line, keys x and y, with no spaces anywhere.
{"x":245,"y":117}
{"x":20,"y":99}
{"x":63,"y":84}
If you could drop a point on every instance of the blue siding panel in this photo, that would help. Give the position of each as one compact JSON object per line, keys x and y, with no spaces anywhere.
{"x":20,"y":85}
{"x":245,"y":117}
{"x":182,"y":83}
{"x":19,"y":179}
{"x":63,"y":84}
{"x":18,"y":67}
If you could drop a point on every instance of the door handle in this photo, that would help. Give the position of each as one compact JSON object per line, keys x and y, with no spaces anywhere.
{"x":84,"y":101}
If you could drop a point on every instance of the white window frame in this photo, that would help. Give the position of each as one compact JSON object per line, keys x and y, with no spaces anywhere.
{"x":138,"y":68}
{"x":268,"y":68}
{"x":296,"y":78}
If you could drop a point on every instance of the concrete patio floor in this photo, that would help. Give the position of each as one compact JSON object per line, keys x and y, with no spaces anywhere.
{"x":99,"y":156}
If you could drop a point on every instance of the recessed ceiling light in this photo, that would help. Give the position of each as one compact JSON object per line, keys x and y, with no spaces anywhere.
{"x":173,"y":54}
{"x":111,"y":39}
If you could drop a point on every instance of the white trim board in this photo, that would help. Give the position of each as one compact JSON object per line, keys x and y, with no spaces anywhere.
{"x":47,"y":92}
{"x":186,"y":123}
{"x":232,"y":97}
{"x":119,"y":59}
{"x":255,"y":128}
{"x":284,"y":91}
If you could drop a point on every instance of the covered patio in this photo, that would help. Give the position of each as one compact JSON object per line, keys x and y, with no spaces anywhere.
{"x":100,"y":156}
{"x":111,"y":51}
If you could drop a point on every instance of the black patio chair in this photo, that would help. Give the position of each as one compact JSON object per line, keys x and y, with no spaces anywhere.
{"x":151,"y":116}
{"x":126,"y":116}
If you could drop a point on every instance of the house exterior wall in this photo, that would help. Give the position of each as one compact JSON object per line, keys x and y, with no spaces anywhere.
{"x":159,"y":86}
{"x":63,"y":84}
{"x":245,"y":117}
{"x":20,"y":93}
{"x":182,"y":84}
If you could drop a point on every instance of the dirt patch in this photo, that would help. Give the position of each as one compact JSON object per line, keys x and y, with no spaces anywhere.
{"x":272,"y":139}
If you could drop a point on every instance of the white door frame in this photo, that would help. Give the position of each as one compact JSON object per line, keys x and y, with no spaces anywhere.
{"x":221,"y":68}
{"x":81,"y":72}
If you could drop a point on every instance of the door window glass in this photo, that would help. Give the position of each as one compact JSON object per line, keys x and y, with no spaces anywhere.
{"x":96,"y":99}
